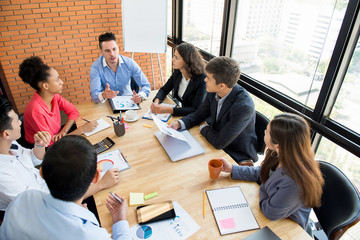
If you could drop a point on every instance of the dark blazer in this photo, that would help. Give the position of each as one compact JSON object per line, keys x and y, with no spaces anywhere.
{"x":234,"y":130}
{"x":193,"y":96}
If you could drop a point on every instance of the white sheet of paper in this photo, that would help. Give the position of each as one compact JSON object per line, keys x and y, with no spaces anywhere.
{"x":109,"y":160}
{"x":102,"y":124}
{"x":163,"y":127}
{"x":179,"y":228}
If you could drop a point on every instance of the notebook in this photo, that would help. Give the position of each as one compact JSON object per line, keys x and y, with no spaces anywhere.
{"x":231,"y":210}
{"x":102,"y":124}
{"x":122,"y":103}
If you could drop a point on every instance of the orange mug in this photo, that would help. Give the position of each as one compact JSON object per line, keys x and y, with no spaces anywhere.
{"x":215,"y":167}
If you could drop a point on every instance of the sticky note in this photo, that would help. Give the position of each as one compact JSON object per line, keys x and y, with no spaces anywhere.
{"x":150,"y":195}
{"x":148,"y":126}
{"x":126,"y":126}
{"x":227,"y":223}
{"x":136,"y":198}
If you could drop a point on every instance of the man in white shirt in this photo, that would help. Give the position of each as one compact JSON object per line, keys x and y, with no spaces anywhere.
{"x":17,"y":171}
{"x":68,"y":168}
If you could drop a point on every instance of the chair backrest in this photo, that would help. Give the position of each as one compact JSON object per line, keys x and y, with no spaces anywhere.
{"x":260,"y":125}
{"x":22,"y":140}
{"x":340,"y":202}
{"x":134,"y":85}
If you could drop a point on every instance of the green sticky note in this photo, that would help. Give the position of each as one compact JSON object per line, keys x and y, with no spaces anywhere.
{"x":150,"y":195}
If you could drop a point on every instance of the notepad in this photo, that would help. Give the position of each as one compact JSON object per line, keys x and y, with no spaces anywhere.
{"x":136,"y":199}
{"x":102,"y":124}
{"x":231,"y":210}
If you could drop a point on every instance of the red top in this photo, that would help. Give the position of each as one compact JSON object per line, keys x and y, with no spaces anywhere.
{"x":38,"y":117}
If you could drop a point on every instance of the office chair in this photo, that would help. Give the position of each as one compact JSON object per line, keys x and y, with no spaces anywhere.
{"x":261,"y":123}
{"x":340,"y":203}
{"x":22,"y":140}
{"x":134,"y":85}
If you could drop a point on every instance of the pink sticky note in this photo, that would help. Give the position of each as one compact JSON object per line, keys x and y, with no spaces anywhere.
{"x":227,"y":223}
{"x":126,"y":126}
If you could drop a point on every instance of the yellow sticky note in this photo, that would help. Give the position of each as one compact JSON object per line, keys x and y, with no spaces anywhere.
{"x":136,"y":199}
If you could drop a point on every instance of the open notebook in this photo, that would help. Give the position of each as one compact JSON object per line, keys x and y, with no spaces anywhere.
{"x":231,"y":210}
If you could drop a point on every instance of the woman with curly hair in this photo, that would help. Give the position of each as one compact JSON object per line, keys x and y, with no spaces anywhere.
{"x":290,"y":178}
{"x":42,"y":113}
{"x":187,"y":81}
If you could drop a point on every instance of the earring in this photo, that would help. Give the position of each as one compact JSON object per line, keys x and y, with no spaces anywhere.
{"x":274,"y":154}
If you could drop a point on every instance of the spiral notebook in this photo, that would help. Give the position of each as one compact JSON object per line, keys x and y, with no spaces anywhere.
{"x":231,"y":210}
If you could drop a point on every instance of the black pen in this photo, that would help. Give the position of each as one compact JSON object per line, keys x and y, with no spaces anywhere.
{"x":116,"y":197}
{"x":112,"y":118}
{"x":85,"y":120}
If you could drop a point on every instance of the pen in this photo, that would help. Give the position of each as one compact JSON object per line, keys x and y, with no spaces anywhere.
{"x":116,"y":197}
{"x":85,"y":120}
{"x":204,"y":204}
{"x":112,"y":118}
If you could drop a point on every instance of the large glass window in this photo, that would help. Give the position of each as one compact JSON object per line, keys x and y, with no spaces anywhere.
{"x":202,"y":22}
{"x":345,"y":110}
{"x":349,"y":165}
{"x":287,"y":44}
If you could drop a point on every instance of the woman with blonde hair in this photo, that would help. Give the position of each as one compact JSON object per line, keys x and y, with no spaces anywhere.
{"x":290,"y":178}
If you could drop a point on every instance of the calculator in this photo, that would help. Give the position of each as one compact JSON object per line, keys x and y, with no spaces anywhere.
{"x":103,"y":145}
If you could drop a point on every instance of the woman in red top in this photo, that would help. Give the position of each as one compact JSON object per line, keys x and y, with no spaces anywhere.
{"x":42,"y":113}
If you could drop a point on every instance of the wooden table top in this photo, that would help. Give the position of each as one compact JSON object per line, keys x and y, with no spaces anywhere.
{"x":183,"y":181}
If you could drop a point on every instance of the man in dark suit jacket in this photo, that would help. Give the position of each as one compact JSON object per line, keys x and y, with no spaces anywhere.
{"x":229,"y":113}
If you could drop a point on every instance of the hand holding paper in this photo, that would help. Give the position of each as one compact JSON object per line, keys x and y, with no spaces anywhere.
{"x":168,"y":131}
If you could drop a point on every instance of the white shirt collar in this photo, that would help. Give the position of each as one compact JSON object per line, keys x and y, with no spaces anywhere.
{"x":106,"y":65}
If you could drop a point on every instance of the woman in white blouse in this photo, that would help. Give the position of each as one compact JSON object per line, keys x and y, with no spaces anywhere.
{"x":187,"y":82}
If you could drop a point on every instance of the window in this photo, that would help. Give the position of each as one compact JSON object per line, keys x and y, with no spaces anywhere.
{"x":202,"y":22}
{"x":345,"y":110}
{"x":287,"y":44}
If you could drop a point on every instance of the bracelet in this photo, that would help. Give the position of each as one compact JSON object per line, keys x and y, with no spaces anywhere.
{"x":38,"y":146}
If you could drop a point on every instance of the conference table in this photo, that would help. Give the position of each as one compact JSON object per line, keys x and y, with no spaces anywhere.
{"x":151,"y":170}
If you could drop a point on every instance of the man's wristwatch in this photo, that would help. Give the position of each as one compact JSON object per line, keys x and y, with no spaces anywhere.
{"x":143,"y":98}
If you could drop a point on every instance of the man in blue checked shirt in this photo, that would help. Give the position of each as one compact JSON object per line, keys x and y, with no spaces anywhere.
{"x":111,"y":73}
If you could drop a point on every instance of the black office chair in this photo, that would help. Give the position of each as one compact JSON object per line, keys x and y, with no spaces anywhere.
{"x":261,"y":123}
{"x":134,"y":85}
{"x":340,"y":203}
{"x":22,"y":140}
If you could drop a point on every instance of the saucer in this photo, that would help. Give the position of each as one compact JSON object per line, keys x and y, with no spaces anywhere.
{"x":131,"y":120}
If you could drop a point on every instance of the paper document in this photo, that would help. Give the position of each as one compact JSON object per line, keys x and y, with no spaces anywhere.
{"x":163,"y":127}
{"x":162,"y":116}
{"x":102,"y":124}
{"x":109,"y":160}
{"x":179,"y":228}
{"x":231,"y":210}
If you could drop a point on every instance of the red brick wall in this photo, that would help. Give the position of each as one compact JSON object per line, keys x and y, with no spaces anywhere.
{"x":64,"y":34}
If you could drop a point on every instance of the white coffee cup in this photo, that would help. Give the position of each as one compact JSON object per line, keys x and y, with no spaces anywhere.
{"x":131,"y":115}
